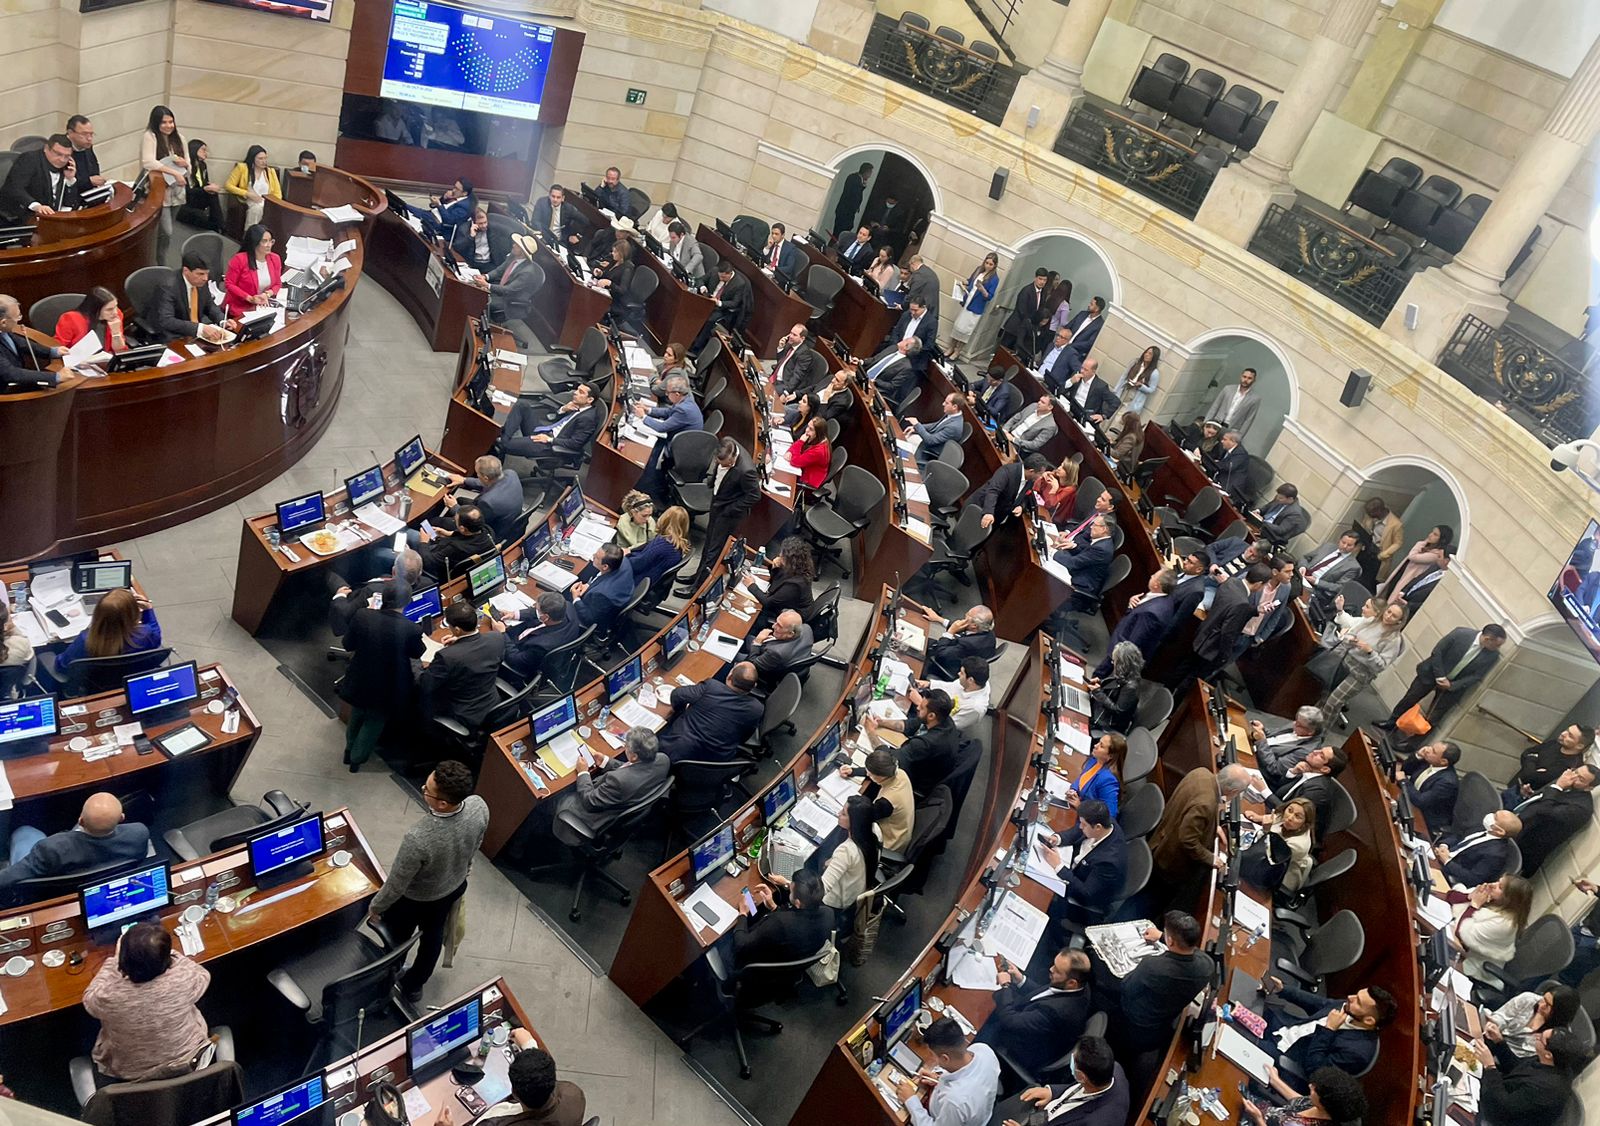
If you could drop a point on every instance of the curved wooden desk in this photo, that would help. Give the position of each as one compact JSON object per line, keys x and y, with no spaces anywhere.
{"x":413,"y":272}
{"x":96,"y":460}
{"x":77,"y":250}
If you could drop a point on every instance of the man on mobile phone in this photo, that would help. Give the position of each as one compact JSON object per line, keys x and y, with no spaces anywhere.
{"x":776,"y":933}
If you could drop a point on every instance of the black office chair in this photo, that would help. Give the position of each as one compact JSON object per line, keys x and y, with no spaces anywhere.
{"x":558,"y":673}
{"x":140,"y":287}
{"x":1227,"y":117}
{"x":1256,"y":126}
{"x":691,"y":453}
{"x":210,"y":245}
{"x":1335,"y":945}
{"x":1544,"y":948}
{"x":1419,"y":207}
{"x":1476,"y":798}
{"x":592,"y":850}
{"x":907,"y":871}
{"x":830,"y":523}
{"x":568,"y":370}
{"x":44,"y":313}
{"x":823,"y":615}
{"x":193,"y":1096}
{"x":1155,"y":706}
{"x":952,"y":454}
{"x":1194,"y":98}
{"x":339,"y":984}
{"x":1089,"y":489}
{"x":954,"y":552}
{"x":29,"y":142}
{"x":778,"y":715}
{"x":1139,"y":809}
{"x":1141,"y":863}
{"x":450,"y":738}
{"x":1452,"y":227}
{"x":713,"y":422}
{"x":628,"y":312}
{"x":752,"y":985}
{"x":715,"y":386}
{"x":618,"y":632}
{"x":821,"y":289}
{"x":1342,"y":815}
{"x":985,"y":48}
{"x":1083,"y":628}
{"x":1378,"y":190}
{"x":1298,"y":909}
{"x":969,"y":753}
{"x":1157,"y":82}
{"x":40,"y":888}
{"x":837,"y":460}
{"x":638,"y":202}
{"x":946,"y":486}
{"x":1141,"y":757}
{"x":89,"y":675}
{"x":701,"y":787}
{"x":223,"y":830}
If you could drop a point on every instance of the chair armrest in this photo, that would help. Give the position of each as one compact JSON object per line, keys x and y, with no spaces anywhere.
{"x":890,"y":856}
{"x":1295,"y":972}
{"x":1493,"y":976}
{"x":224,"y":1036}
{"x":291,"y":992}
{"x":280,"y":803}
{"x":1029,"y":1079}
{"x":455,"y":727}
{"x":338,"y":653}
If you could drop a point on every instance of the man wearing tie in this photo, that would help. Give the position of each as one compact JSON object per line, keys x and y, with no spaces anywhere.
{"x":735,"y":488}
{"x":1480,"y":856}
{"x":735,"y":302}
{"x":40,"y":183}
{"x":1233,"y":468}
{"x":1431,"y":783}
{"x":946,"y":428}
{"x":781,"y":256}
{"x":184,"y":307}
{"x":1088,"y":562}
{"x":550,"y":216}
{"x":1460,"y":659}
{"x":917,"y":323}
{"x":1029,"y":317}
{"x":1084,"y":328}
{"x":1326,"y":570}
{"x":859,"y":254}
{"x":1555,"y":814}
{"x":798,"y":368}
{"x":894,"y":371}
{"x":564,"y":438}
{"x":22,"y":362}
{"x":1000,"y":399}
{"x":1003,"y":497}
{"x":511,"y":291}
{"x":685,"y":250}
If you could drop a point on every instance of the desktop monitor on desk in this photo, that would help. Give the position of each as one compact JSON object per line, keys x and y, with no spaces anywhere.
{"x":364,"y":487}
{"x":624,"y":679}
{"x":27,"y":726}
{"x":779,"y":799}
{"x":301,"y":514}
{"x":425,"y":606}
{"x":898,"y":1014}
{"x":162,"y":695}
{"x":109,"y":905}
{"x":713,"y":595}
{"x":676,"y":642}
{"x":710,"y":854}
{"x":572,"y":506}
{"x":136,"y":359}
{"x":409,"y":457}
{"x":257,"y":326}
{"x":537,"y":544}
{"x":553,"y":720}
{"x":487,"y":579}
{"x":102,"y":576}
{"x":436,"y":1045}
{"x":285,"y":853}
{"x":304,"y":1103}
{"x":829,"y":748}
{"x":734,"y":557}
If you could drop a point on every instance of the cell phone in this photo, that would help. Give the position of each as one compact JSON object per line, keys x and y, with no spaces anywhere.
{"x":56,"y":617}
{"x":427,"y":529}
{"x":469,"y":1098}
{"x":749,"y":901}
{"x":706,"y":913}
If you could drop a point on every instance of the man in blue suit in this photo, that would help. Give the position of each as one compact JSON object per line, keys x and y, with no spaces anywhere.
{"x":1340,"y":1033}
{"x":711,"y":719}
{"x":1092,"y":860}
{"x":917,"y":322}
{"x":934,"y":435}
{"x":781,"y":256}
{"x":1084,"y":328}
{"x":1000,"y":399}
{"x":1431,"y":783}
{"x":1059,"y":362}
{"x":598,"y":601}
{"x":1147,"y":623}
{"x":1089,"y":561}
{"x":678,"y":413}
{"x":1482,"y":855}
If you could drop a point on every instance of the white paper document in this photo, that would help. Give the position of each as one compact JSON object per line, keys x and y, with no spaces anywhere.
{"x":342,"y":214}
{"x":1040,"y":872}
{"x":916,"y":492}
{"x":1015,"y":929}
{"x":511,"y":602}
{"x":635,"y":714}
{"x":376,"y":518}
{"x":1251,"y":915}
{"x":971,"y":970}
{"x":85,"y":351}
{"x":722,"y":645}
{"x":705,"y":896}
{"x":548,"y":574}
{"x":1436,"y":911}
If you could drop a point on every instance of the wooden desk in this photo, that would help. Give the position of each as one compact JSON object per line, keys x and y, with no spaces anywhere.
{"x":50,"y":787}
{"x":413,"y":272}
{"x":19,"y":574}
{"x":506,"y":780}
{"x":77,"y":250}
{"x":468,"y":433}
{"x":861,"y":320}
{"x":264,"y":570}
{"x":776,"y":312}
{"x":77,"y":460}
{"x":564,"y":308}
{"x":57,"y":924}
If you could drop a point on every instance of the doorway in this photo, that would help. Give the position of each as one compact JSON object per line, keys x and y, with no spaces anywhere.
{"x":1420,"y":496}
{"x":1077,"y":260}
{"x":1214,"y":363}
{"x":890,"y":177}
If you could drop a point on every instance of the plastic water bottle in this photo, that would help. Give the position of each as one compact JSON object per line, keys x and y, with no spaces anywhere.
{"x":213,"y":890}
{"x":405,"y":504}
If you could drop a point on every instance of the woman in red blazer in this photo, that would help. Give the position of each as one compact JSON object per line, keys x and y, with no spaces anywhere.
{"x":811,"y":455}
{"x":242,"y":290}
{"x":96,"y":313}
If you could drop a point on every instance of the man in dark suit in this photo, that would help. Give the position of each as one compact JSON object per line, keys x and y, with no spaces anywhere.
{"x":553,"y":216}
{"x":483,"y":247}
{"x":971,"y":635}
{"x":347,"y":600}
{"x":1283,"y":518}
{"x":1233,"y":469}
{"x":1029,"y":319}
{"x":922,"y":284}
{"x":1099,"y":1094}
{"x":893,"y":371}
{"x":1092,"y":860}
{"x":928,"y":756}
{"x":553,"y":625}
{"x":40,"y":183}
{"x":859,"y":253}
{"x":1312,"y":778}
{"x":612,"y":193}
{"x":101,"y":837}
{"x":597,"y":601}
{"x":1554,"y":815}
{"x":599,"y":796}
{"x":1479,"y":857}
{"x":711,"y":719}
{"x":1089,"y":561}
{"x":1325,"y":570}
{"x":22,"y":362}
{"x":1147,"y":622}
{"x":1416,"y":592}
{"x":735,"y":302}
{"x":1534,"y":1088}
{"x":80,"y":131}
{"x":1189,"y":587}
{"x":1431,"y":783}
{"x":1278,"y":751}
{"x":1000,"y":400}
{"x":1004,"y":496}
{"x":1344,"y":1031}
{"x":781,"y":256}
{"x":459,"y":683}
{"x":778,"y":649}
{"x":735,"y":488}
{"x":512,"y":288}
{"x":184,"y":307}
{"x":1089,"y":399}
{"x":499,"y":496}
{"x":445,"y":555}
{"x":1218,"y":636}
{"x":1544,"y":763}
{"x":1158,"y":988}
{"x":1084,"y":327}
{"x":919,"y":322}
{"x":850,"y":195}
{"x":891,"y":223}
{"x":1460,"y":659}
{"x":563,"y":438}
{"x":783,"y":934}
{"x":798,"y":368}
{"x":1036,"y":1025}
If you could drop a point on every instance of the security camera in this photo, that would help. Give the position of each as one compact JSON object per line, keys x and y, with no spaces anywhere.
{"x":1566,"y":455}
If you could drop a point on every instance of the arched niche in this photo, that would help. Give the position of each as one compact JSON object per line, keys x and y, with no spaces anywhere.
{"x":894,"y":171}
{"x":1074,"y":256}
{"x":1422,"y":492}
{"x":1215,"y":360}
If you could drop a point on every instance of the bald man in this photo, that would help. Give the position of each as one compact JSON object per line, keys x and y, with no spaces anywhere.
{"x":100,"y":837}
{"x":777,"y":650}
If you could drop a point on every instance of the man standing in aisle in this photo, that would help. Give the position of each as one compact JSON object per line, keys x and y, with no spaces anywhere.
{"x":430,"y":871}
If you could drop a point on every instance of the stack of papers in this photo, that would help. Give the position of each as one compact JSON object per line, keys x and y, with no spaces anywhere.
{"x":548,"y":574}
{"x":303,"y":252}
{"x":722,"y":645}
{"x":342,"y":214}
{"x":970,"y":969}
{"x":376,"y":518}
{"x":809,"y":814}
{"x":511,"y":602}
{"x":1120,"y":945}
{"x":838,"y":789}
{"x":1015,"y":929}
{"x":634,"y":714}
{"x":916,"y":492}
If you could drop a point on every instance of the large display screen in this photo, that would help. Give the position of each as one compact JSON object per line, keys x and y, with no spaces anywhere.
{"x":1576,"y":592}
{"x":319,"y":10}
{"x":444,"y":55}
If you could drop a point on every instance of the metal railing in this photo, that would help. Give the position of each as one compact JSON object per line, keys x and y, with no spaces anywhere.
{"x":944,"y":70}
{"x":1333,"y":260}
{"x":1161,"y":168}
{"x":1547,"y":395}
{"x":997,"y":15}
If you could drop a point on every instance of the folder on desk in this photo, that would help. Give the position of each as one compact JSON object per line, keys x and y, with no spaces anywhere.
{"x":561,"y":753}
{"x":557,"y":578}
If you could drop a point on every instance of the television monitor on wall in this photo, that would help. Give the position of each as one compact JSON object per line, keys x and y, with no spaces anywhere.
{"x":464,"y":58}
{"x":1576,"y":592}
{"x":319,"y":10}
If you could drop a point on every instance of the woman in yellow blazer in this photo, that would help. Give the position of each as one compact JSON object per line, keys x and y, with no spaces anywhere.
{"x":252,"y":181}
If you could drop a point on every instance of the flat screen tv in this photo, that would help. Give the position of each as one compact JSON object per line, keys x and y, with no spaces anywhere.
{"x":1576,"y":592}
{"x":319,"y":10}
{"x":462,"y":58}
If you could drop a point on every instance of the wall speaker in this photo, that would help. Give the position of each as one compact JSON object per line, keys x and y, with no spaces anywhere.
{"x":997,"y":186}
{"x":1411,"y":316}
{"x":1355,"y":388}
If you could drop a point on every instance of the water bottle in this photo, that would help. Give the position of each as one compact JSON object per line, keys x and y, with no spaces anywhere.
{"x":882,"y":688}
{"x":213,"y":889}
{"x":19,"y":596}
{"x":605,"y":715}
{"x":405,"y":505}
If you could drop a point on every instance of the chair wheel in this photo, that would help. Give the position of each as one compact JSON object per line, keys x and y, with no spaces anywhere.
{"x":575,"y":916}
{"x":627,"y":898}
{"x":744,"y":1073}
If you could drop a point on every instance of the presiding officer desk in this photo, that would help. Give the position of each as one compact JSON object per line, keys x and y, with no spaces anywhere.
{"x":79,"y":461}
{"x":76,"y":250}
{"x":252,"y":916}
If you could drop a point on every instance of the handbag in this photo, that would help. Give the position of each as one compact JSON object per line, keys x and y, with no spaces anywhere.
{"x":863,"y":936}
{"x":385,"y":1106}
{"x":1265,"y":863}
{"x":825,"y":971}
{"x":1413,"y":722}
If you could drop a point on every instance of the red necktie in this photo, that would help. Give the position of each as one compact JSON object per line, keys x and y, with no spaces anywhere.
{"x":506,"y":276}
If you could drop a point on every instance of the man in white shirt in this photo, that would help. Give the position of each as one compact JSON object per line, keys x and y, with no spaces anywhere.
{"x":969,"y":693}
{"x":964,"y":1095}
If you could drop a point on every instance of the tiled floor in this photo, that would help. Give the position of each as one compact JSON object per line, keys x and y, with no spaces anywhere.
{"x":393,"y":388}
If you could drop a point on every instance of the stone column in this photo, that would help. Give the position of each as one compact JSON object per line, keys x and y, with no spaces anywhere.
{"x":1057,"y":81}
{"x":1400,"y":30}
{"x":1471,"y":283}
{"x":840,"y":28}
{"x":1242,"y":192}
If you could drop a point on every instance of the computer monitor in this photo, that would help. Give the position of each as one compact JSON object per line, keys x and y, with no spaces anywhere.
{"x":537,"y":544}
{"x":735,"y":556}
{"x":488,"y":578}
{"x":254,"y":328}
{"x":676,"y":643}
{"x":409,"y":457}
{"x":424,"y":604}
{"x":28,"y":725}
{"x":1436,"y":956}
{"x":1442,"y":1044}
{"x":284,"y":853}
{"x":624,"y":678}
{"x":778,"y":800}
{"x":432,"y":1046}
{"x":572,"y":506}
{"x":161,"y":695}
{"x":898,"y":1015}
{"x":308,"y":511}
{"x":136,"y":359}
{"x":109,"y":903}
{"x":301,"y":1103}
{"x":711,"y":853}
{"x":713,"y":594}
{"x":554,"y":719}
{"x":829,"y":748}
{"x":365,"y":487}
{"x":102,"y":575}
{"x":1443,"y":1098}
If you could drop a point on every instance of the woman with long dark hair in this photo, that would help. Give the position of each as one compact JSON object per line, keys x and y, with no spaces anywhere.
{"x":1429,"y":555}
{"x":255,"y":274}
{"x":1139,"y":382}
{"x":96,"y":314}
{"x":846,"y":860}
{"x":161,"y":153}
{"x":202,"y":203}
{"x":253,"y":180}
